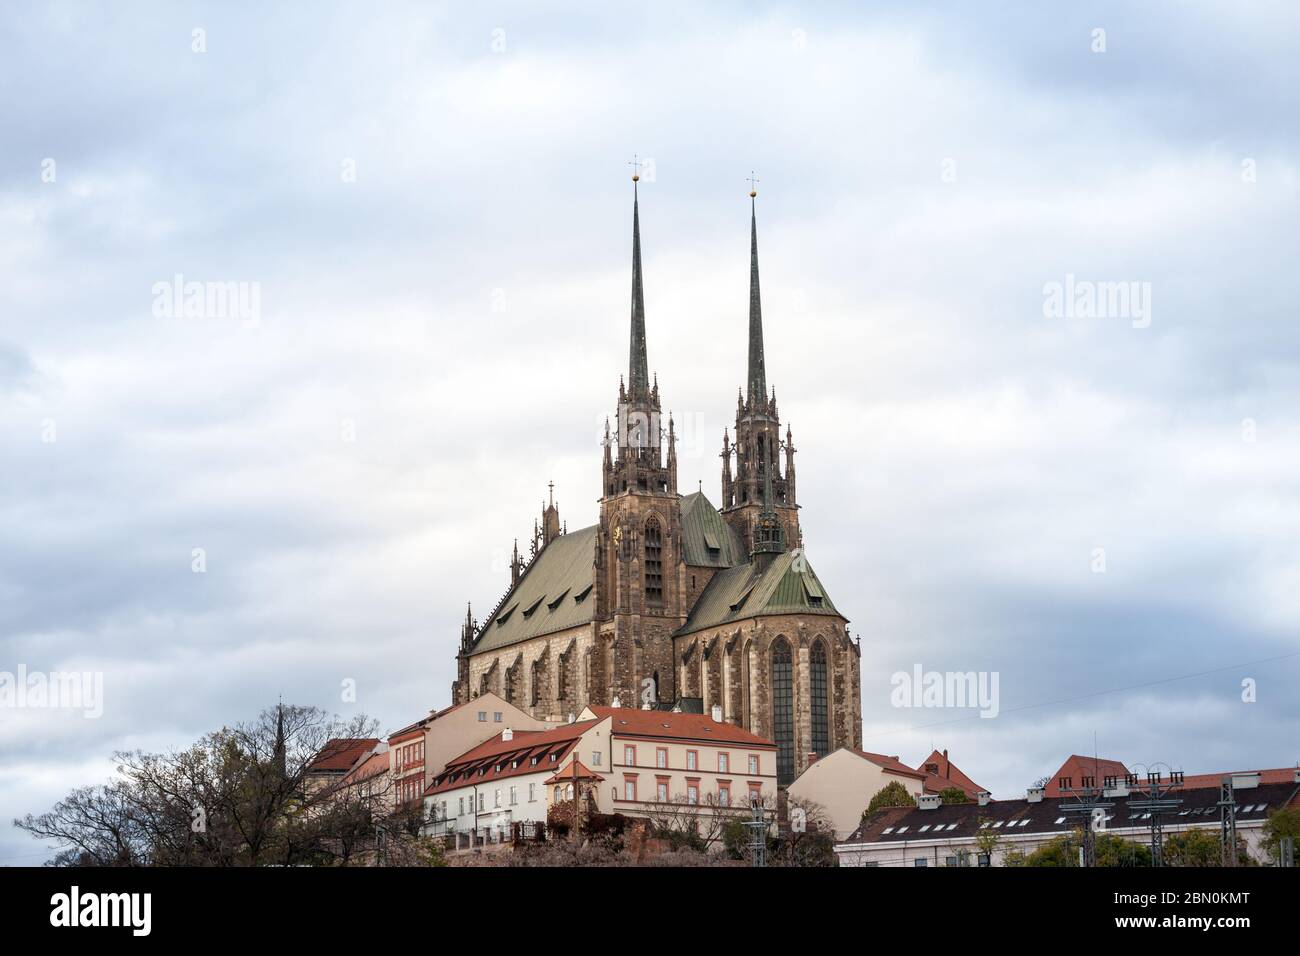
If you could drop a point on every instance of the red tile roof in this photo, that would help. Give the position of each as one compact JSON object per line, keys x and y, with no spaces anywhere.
{"x":372,"y":766}
{"x":576,"y":770}
{"x":1076,"y":767}
{"x":949,"y":775}
{"x":1277,"y":775}
{"x":340,"y":753}
{"x":661,"y":723}
{"x":891,"y":764}
{"x":521,"y":748}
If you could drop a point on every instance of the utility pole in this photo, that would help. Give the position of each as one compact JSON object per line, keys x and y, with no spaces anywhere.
{"x":757,"y":827}
{"x":1154,"y":799}
{"x":1090,"y":799}
{"x":1228,"y":822}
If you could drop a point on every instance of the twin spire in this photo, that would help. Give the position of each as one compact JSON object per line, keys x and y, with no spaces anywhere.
{"x":638,"y":367}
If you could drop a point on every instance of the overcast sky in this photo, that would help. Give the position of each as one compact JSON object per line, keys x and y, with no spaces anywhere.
{"x":435,"y":206}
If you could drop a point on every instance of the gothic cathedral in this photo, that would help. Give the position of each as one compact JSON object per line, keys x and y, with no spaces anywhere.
{"x":669,"y":602}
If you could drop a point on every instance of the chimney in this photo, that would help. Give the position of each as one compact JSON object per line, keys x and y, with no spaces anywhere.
{"x":1296,"y":777}
{"x":507,"y":734}
{"x":1034,"y":795}
{"x":928,"y":801}
{"x":984,"y":798}
{"x":1245,"y":781}
{"x":616,"y":702}
{"x":947,"y":766}
{"x":572,"y":716}
{"x":716,"y":713}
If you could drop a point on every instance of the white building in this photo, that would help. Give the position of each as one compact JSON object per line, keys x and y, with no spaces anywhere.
{"x":935,"y":834}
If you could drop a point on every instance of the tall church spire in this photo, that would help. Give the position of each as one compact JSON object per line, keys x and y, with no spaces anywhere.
{"x":757,"y":396}
{"x":638,"y":376}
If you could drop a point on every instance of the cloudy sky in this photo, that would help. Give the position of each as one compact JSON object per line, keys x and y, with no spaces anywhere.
{"x":435,"y":208}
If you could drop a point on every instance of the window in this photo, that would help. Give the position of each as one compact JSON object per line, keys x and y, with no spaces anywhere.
{"x":753,"y":763}
{"x":629,"y":788}
{"x":482,"y":797}
{"x":755,"y":793}
{"x":920,"y":861}
{"x":724,"y":762}
{"x":482,"y":716}
{"x":629,"y":755}
{"x":692,"y":793}
{"x":496,"y":797}
{"x":496,"y":717}
{"x":514,"y":796}
{"x":821,"y":743}
{"x":460,"y":808}
{"x":949,"y":861}
{"x":532,"y":792}
{"x":595,"y":758}
{"x":654,"y":588}
{"x":724,"y":795}
{"x":924,"y":828}
{"x":661,"y":792}
{"x":661,"y":756}
{"x":887,"y":830}
{"x":692,"y":758}
{"x":783,"y":710}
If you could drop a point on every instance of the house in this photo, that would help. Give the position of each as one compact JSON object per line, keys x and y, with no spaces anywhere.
{"x":1079,"y":772}
{"x":641,"y":763}
{"x":421,"y":750}
{"x":338,"y":756}
{"x":937,"y":834}
{"x":844,"y":782}
{"x":499,"y":782}
{"x":942,"y":774}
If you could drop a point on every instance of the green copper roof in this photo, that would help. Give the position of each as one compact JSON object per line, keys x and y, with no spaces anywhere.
{"x":555,"y":593}
{"x":706,"y":538}
{"x":787,"y":586}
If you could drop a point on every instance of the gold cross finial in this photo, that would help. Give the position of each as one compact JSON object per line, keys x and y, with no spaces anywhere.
{"x":753,"y":182}
{"x":636,"y":168}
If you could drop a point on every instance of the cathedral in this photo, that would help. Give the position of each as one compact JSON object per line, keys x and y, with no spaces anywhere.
{"x":669,"y":602}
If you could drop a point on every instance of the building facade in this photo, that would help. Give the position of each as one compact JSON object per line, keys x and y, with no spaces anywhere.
{"x":669,"y":602}
{"x":688,"y":768}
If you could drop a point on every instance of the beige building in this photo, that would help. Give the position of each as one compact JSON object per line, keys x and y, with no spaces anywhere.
{"x":642,"y":763}
{"x":844,"y":782}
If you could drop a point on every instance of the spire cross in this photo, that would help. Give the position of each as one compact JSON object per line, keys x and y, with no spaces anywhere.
{"x":636,"y":167}
{"x":551,"y":485}
{"x":753,"y":183}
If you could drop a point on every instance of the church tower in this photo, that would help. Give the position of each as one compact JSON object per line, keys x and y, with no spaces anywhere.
{"x":640,"y":574}
{"x":747,"y":498}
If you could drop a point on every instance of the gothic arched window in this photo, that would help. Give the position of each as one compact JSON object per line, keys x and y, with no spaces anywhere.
{"x":783,"y":710}
{"x":821,"y":742}
{"x":654,"y":587}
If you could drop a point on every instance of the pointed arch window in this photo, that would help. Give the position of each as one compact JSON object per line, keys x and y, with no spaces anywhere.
{"x":821,"y":742}
{"x":783,"y":710}
{"x":654,"y":588}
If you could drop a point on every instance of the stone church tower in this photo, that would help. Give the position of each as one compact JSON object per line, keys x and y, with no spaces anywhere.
{"x":639,"y":563}
{"x":668,"y":602}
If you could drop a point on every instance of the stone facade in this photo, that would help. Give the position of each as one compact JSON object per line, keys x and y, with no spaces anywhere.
{"x":652,"y":629}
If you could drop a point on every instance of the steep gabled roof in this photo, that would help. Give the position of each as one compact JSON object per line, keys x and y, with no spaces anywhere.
{"x":787,"y":585}
{"x":948,"y":775}
{"x":562,"y":572}
{"x":340,"y":753}
{"x":707,"y":539}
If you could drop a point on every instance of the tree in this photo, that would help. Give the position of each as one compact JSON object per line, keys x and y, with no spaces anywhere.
{"x":1280,"y":824}
{"x":893,"y":794}
{"x":1111,"y":851}
{"x":987,"y":840}
{"x":1200,"y":848}
{"x":953,"y":795}
{"x":236,"y":797}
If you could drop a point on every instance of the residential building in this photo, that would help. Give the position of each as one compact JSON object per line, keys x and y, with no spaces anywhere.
{"x":936,"y":834}
{"x":844,"y":782}
{"x":338,"y":756}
